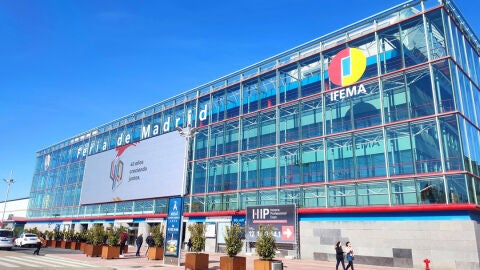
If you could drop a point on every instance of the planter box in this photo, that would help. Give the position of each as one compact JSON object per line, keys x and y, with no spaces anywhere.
{"x":196,"y":261}
{"x":82,"y":246}
{"x":93,"y":251}
{"x":262,"y":265}
{"x":125,"y":249}
{"x":49,"y":243}
{"x":75,"y":245}
{"x":52,"y":243}
{"x":155,"y":253}
{"x":109,"y":252}
{"x":55,"y":243}
{"x":233,"y":263}
{"x":65,"y":244}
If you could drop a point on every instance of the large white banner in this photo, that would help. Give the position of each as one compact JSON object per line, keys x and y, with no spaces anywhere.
{"x":146,"y":169}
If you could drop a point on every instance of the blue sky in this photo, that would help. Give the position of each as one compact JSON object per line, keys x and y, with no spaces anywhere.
{"x":70,"y":66}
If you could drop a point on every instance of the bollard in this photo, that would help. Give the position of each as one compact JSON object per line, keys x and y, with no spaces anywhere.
{"x":427,"y":262}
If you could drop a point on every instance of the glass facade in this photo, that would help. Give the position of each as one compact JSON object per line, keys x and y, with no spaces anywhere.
{"x":284,"y":131}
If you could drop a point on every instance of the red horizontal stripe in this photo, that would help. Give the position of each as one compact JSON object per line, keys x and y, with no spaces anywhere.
{"x":337,"y":210}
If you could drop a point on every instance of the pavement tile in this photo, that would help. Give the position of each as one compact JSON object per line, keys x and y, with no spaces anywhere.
{"x":130,"y":261}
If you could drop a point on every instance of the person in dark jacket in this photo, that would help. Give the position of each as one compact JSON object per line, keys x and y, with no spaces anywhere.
{"x":340,"y":255}
{"x":139,"y":243}
{"x":150,"y":242}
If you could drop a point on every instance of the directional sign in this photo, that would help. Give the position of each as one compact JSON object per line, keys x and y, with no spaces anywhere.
{"x":283,"y":219}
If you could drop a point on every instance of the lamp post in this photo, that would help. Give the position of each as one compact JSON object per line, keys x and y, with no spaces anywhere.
{"x":9,"y":182}
{"x":188,"y":133}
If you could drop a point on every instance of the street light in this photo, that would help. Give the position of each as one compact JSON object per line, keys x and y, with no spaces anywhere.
{"x":9,"y":182}
{"x":188,"y":133}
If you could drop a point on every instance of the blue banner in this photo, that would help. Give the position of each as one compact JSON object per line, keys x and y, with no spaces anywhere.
{"x":174,"y":219}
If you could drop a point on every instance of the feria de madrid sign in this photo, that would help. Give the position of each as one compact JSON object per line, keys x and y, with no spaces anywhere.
{"x":345,"y":69}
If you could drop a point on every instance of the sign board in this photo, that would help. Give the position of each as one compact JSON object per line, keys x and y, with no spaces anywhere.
{"x":283,"y":218}
{"x":136,"y":170}
{"x":174,"y":219}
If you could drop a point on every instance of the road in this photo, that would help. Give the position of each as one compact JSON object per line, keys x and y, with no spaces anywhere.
{"x":23,"y":258}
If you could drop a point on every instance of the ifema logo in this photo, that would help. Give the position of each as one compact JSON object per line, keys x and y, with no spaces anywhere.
{"x":116,"y":167}
{"x":346,"y":68}
{"x":116,"y":172}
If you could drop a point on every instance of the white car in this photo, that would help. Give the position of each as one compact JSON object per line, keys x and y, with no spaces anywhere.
{"x":6,"y":239}
{"x":26,"y":239}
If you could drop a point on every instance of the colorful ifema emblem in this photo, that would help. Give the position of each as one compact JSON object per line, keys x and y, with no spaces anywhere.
{"x":347,"y":67}
{"x":116,"y":171}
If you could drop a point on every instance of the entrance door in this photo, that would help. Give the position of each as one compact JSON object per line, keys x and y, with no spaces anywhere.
{"x":132,"y":232}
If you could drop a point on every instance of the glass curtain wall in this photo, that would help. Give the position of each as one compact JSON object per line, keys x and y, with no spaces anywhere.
{"x":404,"y":125}
{"x":284,"y":131}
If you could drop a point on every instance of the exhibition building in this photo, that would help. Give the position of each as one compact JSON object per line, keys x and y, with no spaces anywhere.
{"x":369,"y":133}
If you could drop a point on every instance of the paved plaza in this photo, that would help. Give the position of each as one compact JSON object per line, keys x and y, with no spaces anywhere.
{"x":130,"y":261}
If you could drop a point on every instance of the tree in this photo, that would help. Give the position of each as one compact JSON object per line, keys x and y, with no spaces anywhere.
{"x":95,"y":235}
{"x":265,"y":245}
{"x":157,"y":234}
{"x":197,"y":236}
{"x":113,"y":236}
{"x":233,"y":239}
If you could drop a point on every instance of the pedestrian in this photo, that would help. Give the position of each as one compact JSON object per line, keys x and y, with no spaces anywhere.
{"x":123,"y":241}
{"x":340,"y":255}
{"x":189,"y":244}
{"x":139,"y":243}
{"x":38,"y":245}
{"x":350,"y":255}
{"x":150,"y":242}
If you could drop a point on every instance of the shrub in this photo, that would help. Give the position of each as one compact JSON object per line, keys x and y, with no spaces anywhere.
{"x":157,"y":234}
{"x":233,"y":239}
{"x":68,"y":235}
{"x":113,"y":236}
{"x":50,"y":235}
{"x":265,"y":245}
{"x":57,"y":235}
{"x":197,"y":236}
{"x":95,"y":235}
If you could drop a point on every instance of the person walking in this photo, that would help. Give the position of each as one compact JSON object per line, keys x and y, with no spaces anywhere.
{"x":189,"y":244}
{"x":139,"y":243}
{"x":340,"y":255}
{"x":123,"y":242}
{"x":350,"y":255}
{"x":150,"y":243}
{"x":38,"y":245}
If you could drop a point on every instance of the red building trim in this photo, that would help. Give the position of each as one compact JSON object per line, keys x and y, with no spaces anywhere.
{"x":60,"y":219}
{"x":338,"y":210}
{"x":392,"y":209}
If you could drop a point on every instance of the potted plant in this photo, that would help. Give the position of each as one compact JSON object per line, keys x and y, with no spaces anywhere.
{"x":57,"y":239}
{"x":95,"y":237}
{"x":112,"y":249}
{"x":67,"y":239}
{"x":265,"y":248}
{"x":233,"y":245}
{"x":82,"y":238}
{"x":197,"y":260}
{"x":48,"y":237}
{"x":75,"y":241}
{"x":156,"y":252}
